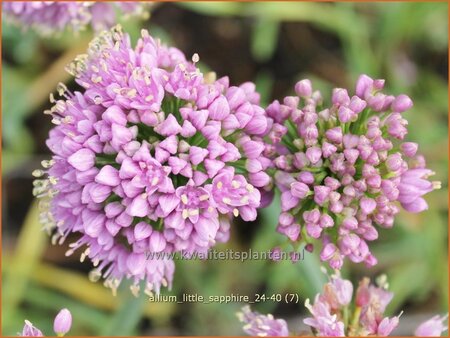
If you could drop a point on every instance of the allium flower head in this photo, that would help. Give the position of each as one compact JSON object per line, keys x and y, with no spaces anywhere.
{"x":331,"y":315}
{"x":149,"y":157}
{"x":260,"y":325}
{"x":340,"y":312}
{"x":49,"y":17}
{"x":343,"y":167}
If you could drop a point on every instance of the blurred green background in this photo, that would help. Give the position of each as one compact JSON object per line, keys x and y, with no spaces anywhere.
{"x":274,"y":45}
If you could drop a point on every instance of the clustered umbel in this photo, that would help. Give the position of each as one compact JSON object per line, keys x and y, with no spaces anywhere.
{"x":343,"y":168}
{"x":50,"y":17}
{"x":334,"y":314}
{"x":61,"y":325}
{"x":150,"y":156}
{"x":260,"y":325}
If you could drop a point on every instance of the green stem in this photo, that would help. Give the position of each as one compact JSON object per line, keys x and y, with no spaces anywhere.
{"x":345,"y":316}
{"x":355,"y":321}
{"x":313,"y":170}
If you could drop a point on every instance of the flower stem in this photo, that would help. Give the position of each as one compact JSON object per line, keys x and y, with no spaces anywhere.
{"x":355,"y":321}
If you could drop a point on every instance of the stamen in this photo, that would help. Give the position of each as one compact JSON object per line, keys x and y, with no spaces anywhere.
{"x":235,"y":184}
{"x":61,"y":88}
{"x":98,"y":99}
{"x":436,"y":184}
{"x":84,"y":254}
{"x":193,"y":212}
{"x":53,"y":180}
{"x":38,"y":173}
{"x":47,"y":163}
{"x":132,"y":93}
{"x":68,"y":119}
{"x":96,"y":79}
{"x":431,"y":173}
{"x":135,"y":290}
{"x":184,"y":199}
{"x":95,"y":275}
{"x":54,"y":239}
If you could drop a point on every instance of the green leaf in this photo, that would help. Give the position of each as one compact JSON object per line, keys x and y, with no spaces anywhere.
{"x":264,"y":39}
{"x":126,"y":319}
{"x":264,"y":86}
{"x":213,"y":8}
{"x":30,"y":247}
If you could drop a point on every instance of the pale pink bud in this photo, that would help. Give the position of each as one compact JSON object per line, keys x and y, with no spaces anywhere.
{"x":303,"y":88}
{"x":306,"y":177}
{"x":409,"y":148}
{"x":334,"y":134}
{"x":314,"y":154}
{"x":299,"y":190}
{"x":340,"y":96}
{"x":63,"y":322}
{"x":401,"y":103}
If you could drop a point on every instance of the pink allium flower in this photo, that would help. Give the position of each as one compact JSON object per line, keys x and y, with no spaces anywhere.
{"x":336,"y":313}
{"x":62,"y":324}
{"x":433,"y":327}
{"x":149,"y":157}
{"x":30,"y":331}
{"x":331,"y":311}
{"x":345,"y":164}
{"x":413,"y":185}
{"x":49,"y":17}
{"x":260,"y":325}
{"x":322,"y":321}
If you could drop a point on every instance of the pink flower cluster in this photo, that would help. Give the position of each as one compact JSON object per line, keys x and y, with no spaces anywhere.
{"x":150,"y":156}
{"x":331,"y":315}
{"x":49,"y":17}
{"x":260,"y":325}
{"x":335,"y":315}
{"x":343,"y":168}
